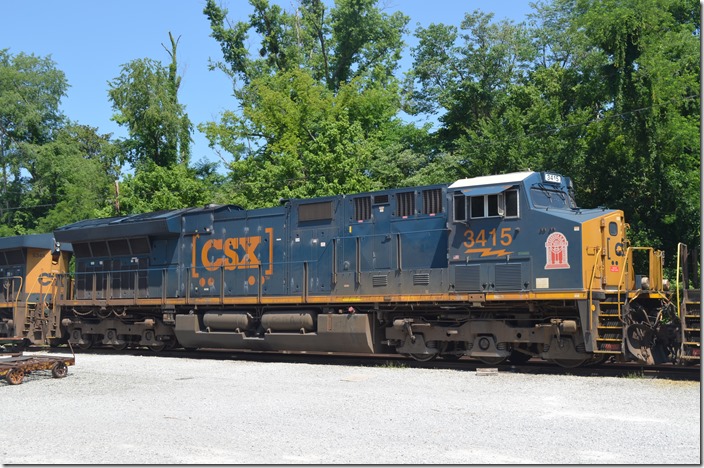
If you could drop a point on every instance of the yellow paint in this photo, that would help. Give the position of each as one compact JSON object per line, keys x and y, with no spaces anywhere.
{"x":322,"y":300}
{"x":611,"y":261}
{"x":41,"y":272}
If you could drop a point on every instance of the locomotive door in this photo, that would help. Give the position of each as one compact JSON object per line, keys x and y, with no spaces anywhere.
{"x":613,"y":250}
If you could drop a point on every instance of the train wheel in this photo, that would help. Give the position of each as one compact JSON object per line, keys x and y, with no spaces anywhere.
{"x":423,"y":357}
{"x":493,"y":361}
{"x":87,"y":342}
{"x":570,"y":363}
{"x":59,"y":371}
{"x":518,"y":357}
{"x":120,"y":347}
{"x":171,"y":343}
{"x":15,"y":376}
{"x":158,"y":347}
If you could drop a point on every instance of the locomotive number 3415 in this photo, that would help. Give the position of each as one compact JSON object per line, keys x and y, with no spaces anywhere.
{"x":483,"y":237}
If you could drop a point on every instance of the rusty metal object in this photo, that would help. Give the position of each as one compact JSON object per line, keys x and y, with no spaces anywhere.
{"x":15,"y":367}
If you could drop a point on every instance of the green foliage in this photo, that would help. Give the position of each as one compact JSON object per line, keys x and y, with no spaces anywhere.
{"x":145,"y":98}
{"x":646,"y":144}
{"x":154,"y":188}
{"x":31,"y":89}
{"x":318,"y":104}
{"x":71,"y":178}
{"x":603,"y":90}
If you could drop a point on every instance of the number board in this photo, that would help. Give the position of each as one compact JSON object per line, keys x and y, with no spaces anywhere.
{"x":552,"y":178}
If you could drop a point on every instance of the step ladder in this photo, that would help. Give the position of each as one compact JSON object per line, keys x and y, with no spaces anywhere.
{"x":609,"y":327}
{"x":690,"y":315}
{"x":690,"y":305}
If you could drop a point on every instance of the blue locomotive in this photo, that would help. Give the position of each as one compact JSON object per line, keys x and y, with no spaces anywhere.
{"x":503,"y":267}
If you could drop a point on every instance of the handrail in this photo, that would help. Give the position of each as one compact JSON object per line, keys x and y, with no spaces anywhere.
{"x":677,"y":276}
{"x":591,"y":282}
{"x":19,"y":290}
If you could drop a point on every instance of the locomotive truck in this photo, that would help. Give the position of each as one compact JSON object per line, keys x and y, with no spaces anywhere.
{"x":502,"y":267}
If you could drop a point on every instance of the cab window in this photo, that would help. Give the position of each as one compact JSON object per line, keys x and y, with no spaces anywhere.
{"x":486,"y":206}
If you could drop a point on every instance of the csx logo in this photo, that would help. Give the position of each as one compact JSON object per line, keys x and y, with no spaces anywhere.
{"x":233,"y":257}
{"x":232,"y":253}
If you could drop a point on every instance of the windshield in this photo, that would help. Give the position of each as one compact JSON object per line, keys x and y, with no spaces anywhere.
{"x":554,"y":199}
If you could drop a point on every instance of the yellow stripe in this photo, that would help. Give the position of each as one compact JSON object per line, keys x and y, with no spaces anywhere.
{"x":397,"y":298}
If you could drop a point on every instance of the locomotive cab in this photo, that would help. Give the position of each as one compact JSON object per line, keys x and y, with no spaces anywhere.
{"x":521,"y":237}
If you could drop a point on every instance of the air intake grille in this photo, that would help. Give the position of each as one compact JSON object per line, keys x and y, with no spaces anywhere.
{"x":432,"y":201}
{"x":508,"y":277}
{"x":380,"y":280}
{"x":421,"y":279}
{"x":315,"y":211}
{"x":406,"y":202}
{"x":362,"y":208}
{"x":467,"y":278}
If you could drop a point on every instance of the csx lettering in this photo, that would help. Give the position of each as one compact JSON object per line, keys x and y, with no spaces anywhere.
{"x":481,"y":238}
{"x":227,"y":253}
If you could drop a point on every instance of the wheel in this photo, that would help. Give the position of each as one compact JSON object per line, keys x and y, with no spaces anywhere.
{"x":171,"y":343}
{"x":120,"y":347}
{"x":518,"y":357}
{"x":158,"y":347}
{"x":87,"y":342}
{"x":493,"y":361}
{"x":59,"y":371}
{"x":15,"y":376}
{"x":423,"y":357}
{"x":570,"y":363}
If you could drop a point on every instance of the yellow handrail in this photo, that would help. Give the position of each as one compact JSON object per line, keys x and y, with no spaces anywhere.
{"x":591,"y":282}
{"x":677,"y":276}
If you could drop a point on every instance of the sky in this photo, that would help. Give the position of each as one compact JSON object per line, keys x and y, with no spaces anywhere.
{"x":90,"y":40}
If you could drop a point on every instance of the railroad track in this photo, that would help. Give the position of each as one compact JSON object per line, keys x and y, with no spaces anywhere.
{"x":624,"y":370}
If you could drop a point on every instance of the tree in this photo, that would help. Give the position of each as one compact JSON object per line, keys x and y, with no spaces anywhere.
{"x":31,"y":89}
{"x":155,"y":188}
{"x":465,"y":78}
{"x":605,"y":91}
{"x":145,"y":98}
{"x":71,"y":178}
{"x":646,"y":144}
{"x":318,"y":104}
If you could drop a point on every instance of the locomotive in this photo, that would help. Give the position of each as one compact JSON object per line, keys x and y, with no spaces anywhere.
{"x":498,"y":268}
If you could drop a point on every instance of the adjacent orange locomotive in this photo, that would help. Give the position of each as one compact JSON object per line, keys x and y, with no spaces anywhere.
{"x":503,"y":267}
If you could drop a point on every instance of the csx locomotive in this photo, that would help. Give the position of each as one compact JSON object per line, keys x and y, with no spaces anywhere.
{"x":503,"y":267}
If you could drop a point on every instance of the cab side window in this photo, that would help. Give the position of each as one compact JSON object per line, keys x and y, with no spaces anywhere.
{"x":511,"y":201}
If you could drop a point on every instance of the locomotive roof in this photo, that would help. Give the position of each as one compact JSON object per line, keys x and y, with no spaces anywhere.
{"x":143,"y":224}
{"x":511,"y":178}
{"x":31,"y":241}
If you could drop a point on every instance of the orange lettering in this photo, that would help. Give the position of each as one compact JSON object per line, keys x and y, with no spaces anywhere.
{"x":231,"y":253}
{"x":250,"y":244}
{"x":215,"y":264}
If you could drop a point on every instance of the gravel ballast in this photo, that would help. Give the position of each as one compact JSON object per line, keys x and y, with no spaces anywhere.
{"x":119,"y":409}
